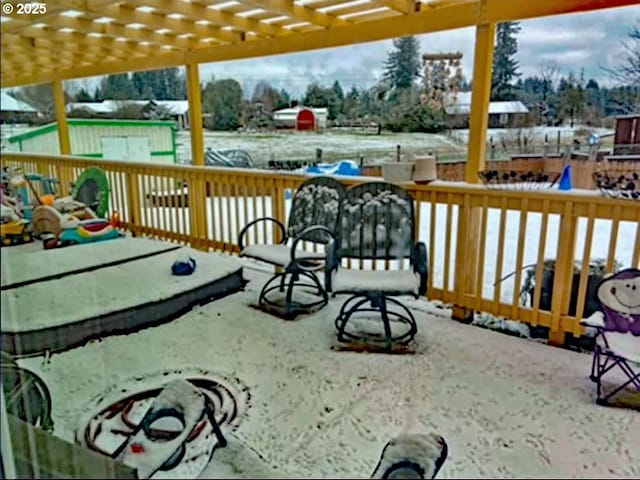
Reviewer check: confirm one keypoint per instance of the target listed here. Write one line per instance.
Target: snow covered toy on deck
(61, 230)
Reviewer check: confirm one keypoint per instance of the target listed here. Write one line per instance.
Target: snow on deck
(507, 407)
(88, 295)
(18, 266)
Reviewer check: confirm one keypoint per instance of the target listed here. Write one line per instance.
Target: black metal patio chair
(313, 218)
(376, 222)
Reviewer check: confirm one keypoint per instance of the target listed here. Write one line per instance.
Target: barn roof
(10, 104)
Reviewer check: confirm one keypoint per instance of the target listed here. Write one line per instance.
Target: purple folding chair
(618, 331)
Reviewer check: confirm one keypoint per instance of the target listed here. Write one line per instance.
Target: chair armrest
(419, 260)
(300, 238)
(596, 320)
(263, 219)
(331, 264)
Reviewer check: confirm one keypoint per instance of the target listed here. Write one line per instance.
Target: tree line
(395, 101)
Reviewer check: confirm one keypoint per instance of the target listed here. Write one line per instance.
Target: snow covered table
(67, 311)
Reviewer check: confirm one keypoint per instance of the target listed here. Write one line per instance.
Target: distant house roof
(461, 105)
(177, 107)
(89, 122)
(10, 104)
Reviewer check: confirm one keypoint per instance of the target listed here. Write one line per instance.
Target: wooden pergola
(69, 39)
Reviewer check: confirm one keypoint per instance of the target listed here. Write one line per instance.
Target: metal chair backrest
(376, 222)
(316, 202)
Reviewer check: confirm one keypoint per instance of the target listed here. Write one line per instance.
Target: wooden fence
(475, 236)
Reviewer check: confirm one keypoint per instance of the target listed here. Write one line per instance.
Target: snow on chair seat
(617, 331)
(398, 282)
(313, 218)
(280, 254)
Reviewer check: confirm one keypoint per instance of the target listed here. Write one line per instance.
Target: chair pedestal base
(377, 303)
(277, 295)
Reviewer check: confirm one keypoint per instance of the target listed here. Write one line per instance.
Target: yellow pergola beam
(480, 97)
(216, 17)
(297, 12)
(59, 105)
(431, 18)
(195, 113)
(402, 6)
(81, 26)
(156, 21)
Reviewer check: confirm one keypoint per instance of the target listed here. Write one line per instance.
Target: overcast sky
(590, 40)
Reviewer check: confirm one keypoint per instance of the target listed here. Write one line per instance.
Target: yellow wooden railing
(512, 228)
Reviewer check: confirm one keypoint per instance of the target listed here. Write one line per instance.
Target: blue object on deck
(183, 267)
(347, 168)
(565, 179)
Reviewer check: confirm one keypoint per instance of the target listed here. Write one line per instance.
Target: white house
(501, 114)
(179, 109)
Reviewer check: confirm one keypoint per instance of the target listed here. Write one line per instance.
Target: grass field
(335, 146)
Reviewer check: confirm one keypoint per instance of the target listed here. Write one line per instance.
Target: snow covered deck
(62, 298)
(508, 407)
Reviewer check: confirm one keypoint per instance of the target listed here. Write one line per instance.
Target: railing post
(195, 113)
(563, 273)
(278, 207)
(468, 258)
(197, 213)
(467, 245)
(133, 199)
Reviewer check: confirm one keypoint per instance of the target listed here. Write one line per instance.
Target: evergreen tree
(83, 95)
(338, 99)
(505, 66)
(402, 66)
(117, 87)
(285, 99)
(223, 100)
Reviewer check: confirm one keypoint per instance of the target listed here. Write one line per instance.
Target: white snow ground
(507, 407)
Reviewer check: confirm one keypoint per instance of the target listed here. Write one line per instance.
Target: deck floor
(508, 407)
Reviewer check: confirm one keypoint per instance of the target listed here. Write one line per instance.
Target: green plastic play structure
(92, 189)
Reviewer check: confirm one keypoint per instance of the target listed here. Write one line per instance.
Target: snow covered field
(507, 407)
(335, 145)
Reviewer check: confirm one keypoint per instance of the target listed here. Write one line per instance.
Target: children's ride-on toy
(14, 230)
(62, 230)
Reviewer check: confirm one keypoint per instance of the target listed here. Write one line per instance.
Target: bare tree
(628, 72)
(550, 71)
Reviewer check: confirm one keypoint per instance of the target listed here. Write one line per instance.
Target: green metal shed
(133, 140)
